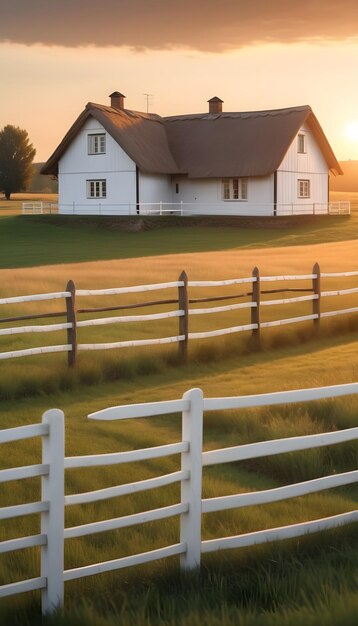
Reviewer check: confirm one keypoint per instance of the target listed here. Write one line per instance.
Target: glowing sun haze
(56, 56)
(352, 130)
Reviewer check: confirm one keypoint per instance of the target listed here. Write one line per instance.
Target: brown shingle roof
(240, 144)
(141, 135)
(204, 145)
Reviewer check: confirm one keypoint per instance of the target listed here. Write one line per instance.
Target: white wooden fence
(39, 208)
(185, 209)
(255, 304)
(191, 506)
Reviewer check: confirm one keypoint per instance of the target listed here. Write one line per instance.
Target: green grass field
(311, 581)
(27, 241)
(273, 580)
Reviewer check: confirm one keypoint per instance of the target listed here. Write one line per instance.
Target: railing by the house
(245, 209)
(31, 208)
(256, 295)
(190, 545)
(331, 208)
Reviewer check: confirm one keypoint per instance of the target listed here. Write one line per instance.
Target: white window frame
(96, 143)
(301, 143)
(96, 188)
(234, 189)
(303, 188)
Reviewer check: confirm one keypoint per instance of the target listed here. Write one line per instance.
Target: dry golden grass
(301, 366)
(334, 196)
(28, 196)
(337, 256)
(14, 205)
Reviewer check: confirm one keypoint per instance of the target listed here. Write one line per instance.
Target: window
(234, 188)
(96, 189)
(301, 144)
(176, 187)
(226, 189)
(97, 144)
(304, 190)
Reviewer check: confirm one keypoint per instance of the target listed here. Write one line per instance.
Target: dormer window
(301, 144)
(97, 144)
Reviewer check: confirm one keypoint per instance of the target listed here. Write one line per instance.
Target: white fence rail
(39, 208)
(183, 209)
(191, 506)
(258, 287)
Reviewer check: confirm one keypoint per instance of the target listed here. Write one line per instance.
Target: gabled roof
(141, 135)
(203, 145)
(240, 144)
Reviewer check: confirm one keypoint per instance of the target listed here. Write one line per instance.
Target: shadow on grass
(156, 368)
(311, 581)
(28, 241)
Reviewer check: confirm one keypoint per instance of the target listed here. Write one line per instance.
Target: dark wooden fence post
(316, 286)
(255, 311)
(71, 319)
(183, 303)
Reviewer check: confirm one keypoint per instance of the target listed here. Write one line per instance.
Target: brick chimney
(117, 100)
(215, 105)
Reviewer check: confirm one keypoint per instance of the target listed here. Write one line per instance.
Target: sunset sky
(56, 55)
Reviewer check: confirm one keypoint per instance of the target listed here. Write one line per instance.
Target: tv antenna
(148, 95)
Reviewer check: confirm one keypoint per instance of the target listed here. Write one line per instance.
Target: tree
(16, 156)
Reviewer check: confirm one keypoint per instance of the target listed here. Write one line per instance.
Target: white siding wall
(153, 189)
(309, 166)
(77, 166)
(199, 196)
(204, 197)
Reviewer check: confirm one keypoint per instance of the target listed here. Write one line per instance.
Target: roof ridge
(236, 114)
(191, 147)
(152, 117)
(155, 117)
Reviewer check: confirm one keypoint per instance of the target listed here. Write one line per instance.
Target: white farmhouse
(114, 161)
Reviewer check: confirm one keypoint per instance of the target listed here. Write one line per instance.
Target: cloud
(207, 25)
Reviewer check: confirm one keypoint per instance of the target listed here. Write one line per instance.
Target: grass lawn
(28, 376)
(27, 241)
(308, 582)
(294, 582)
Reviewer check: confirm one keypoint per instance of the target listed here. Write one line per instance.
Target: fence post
(255, 298)
(71, 319)
(316, 286)
(52, 521)
(190, 522)
(183, 304)
(181, 208)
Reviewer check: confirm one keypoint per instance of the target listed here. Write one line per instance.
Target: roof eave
(51, 165)
(324, 145)
(107, 125)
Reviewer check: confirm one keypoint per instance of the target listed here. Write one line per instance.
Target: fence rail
(255, 302)
(191, 506)
(31, 208)
(183, 209)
